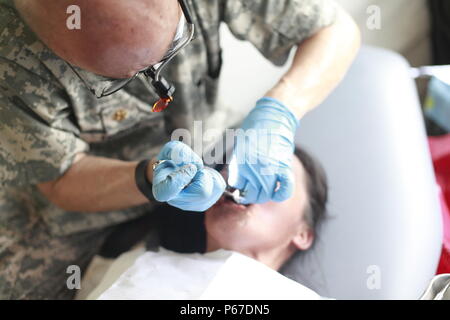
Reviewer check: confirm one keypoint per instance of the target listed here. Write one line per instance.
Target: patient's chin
(228, 219)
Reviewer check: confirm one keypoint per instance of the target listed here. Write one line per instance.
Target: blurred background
(419, 30)
(406, 26)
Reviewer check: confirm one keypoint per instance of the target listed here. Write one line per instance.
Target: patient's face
(259, 227)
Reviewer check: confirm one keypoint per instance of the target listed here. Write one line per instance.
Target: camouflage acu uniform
(47, 116)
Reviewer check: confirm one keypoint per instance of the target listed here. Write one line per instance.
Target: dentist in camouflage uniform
(73, 166)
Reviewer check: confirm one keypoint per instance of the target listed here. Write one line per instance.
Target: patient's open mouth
(228, 201)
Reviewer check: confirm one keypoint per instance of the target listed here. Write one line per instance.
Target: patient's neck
(274, 258)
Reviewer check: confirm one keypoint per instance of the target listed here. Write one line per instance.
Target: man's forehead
(102, 8)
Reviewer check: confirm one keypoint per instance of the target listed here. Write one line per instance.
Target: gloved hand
(183, 181)
(261, 164)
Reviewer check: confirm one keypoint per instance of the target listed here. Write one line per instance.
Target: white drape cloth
(217, 275)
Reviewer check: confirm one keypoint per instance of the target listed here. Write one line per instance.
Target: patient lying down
(245, 246)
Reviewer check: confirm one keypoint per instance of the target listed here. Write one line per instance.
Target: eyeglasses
(103, 86)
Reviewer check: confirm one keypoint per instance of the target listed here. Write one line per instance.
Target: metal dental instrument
(233, 194)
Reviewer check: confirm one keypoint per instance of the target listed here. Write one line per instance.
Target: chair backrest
(384, 233)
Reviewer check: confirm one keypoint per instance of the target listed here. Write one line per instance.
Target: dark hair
(316, 188)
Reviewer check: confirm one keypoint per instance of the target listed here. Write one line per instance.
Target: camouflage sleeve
(274, 27)
(37, 139)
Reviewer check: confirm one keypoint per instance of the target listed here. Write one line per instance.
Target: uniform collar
(8, 3)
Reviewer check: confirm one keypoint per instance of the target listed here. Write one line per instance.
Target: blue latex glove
(183, 181)
(261, 165)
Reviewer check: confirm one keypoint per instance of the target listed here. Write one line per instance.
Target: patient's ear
(304, 238)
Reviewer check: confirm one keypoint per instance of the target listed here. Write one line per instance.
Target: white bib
(218, 275)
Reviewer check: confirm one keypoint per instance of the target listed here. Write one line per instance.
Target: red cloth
(440, 152)
(444, 263)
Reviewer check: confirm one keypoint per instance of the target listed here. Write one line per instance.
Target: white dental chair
(383, 236)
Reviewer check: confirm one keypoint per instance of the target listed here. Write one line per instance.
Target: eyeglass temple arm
(186, 11)
(163, 88)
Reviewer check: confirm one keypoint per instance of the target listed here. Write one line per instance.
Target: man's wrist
(144, 178)
(150, 169)
(288, 95)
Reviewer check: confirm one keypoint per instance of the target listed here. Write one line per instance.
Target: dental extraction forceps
(234, 194)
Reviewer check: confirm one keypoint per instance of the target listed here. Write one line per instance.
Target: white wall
(405, 26)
